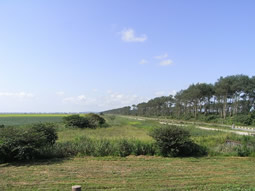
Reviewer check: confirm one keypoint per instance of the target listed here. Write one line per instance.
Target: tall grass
(85, 146)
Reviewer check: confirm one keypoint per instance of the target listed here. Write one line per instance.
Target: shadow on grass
(35, 162)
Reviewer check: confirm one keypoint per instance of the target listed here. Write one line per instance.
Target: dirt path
(211, 129)
(228, 131)
(199, 127)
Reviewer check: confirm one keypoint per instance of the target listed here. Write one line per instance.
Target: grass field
(221, 172)
(118, 128)
(25, 119)
(132, 173)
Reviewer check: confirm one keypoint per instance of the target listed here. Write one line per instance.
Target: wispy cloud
(165, 93)
(115, 100)
(166, 62)
(60, 93)
(103, 102)
(81, 99)
(143, 61)
(163, 60)
(16, 94)
(128, 35)
(163, 56)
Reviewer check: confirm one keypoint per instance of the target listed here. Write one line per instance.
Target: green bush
(20, 144)
(175, 141)
(243, 119)
(90, 120)
(76, 121)
(95, 120)
(187, 116)
(47, 130)
(243, 151)
(210, 118)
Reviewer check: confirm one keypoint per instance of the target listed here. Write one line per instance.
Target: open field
(132, 173)
(120, 127)
(14, 121)
(220, 170)
(24, 119)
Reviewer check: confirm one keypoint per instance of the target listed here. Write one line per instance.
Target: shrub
(47, 130)
(175, 141)
(90, 120)
(19, 144)
(210, 118)
(76, 121)
(243, 151)
(187, 116)
(95, 120)
(243, 119)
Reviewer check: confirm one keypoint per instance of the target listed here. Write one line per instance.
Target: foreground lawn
(132, 173)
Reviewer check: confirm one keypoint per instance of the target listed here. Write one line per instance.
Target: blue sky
(75, 56)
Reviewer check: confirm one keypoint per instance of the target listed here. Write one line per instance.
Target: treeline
(229, 97)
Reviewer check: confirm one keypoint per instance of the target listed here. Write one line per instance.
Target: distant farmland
(24, 119)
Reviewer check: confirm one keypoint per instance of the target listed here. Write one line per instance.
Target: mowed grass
(132, 173)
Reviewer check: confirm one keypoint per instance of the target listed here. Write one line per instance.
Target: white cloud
(173, 92)
(75, 99)
(109, 91)
(166, 62)
(60, 93)
(16, 94)
(143, 61)
(109, 100)
(160, 93)
(79, 100)
(128, 35)
(165, 93)
(115, 100)
(163, 56)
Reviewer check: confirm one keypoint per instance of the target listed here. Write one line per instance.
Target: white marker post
(76, 188)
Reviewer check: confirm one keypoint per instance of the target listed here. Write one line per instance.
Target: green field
(132, 173)
(24, 119)
(220, 170)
